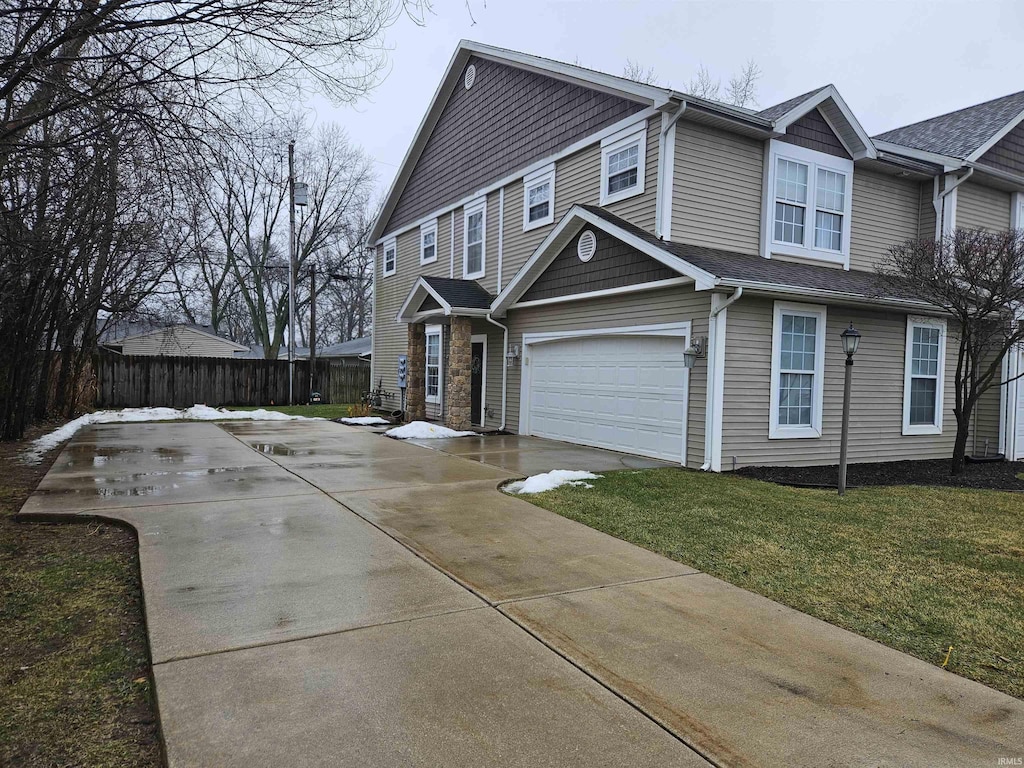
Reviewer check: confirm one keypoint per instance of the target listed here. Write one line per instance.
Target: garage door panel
(624, 393)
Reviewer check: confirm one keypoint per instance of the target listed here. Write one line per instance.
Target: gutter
(938, 197)
(504, 369)
(712, 405)
(664, 177)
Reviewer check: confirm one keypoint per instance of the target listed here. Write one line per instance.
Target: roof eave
(947, 162)
(783, 289)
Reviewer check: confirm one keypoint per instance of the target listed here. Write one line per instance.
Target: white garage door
(625, 393)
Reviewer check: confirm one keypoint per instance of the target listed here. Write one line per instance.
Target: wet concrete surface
(467, 689)
(504, 547)
(752, 682)
(423, 617)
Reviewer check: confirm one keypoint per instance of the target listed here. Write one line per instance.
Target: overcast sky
(893, 62)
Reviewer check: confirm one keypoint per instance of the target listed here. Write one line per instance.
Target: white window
(623, 159)
(433, 364)
(798, 367)
(923, 375)
(390, 257)
(474, 235)
(539, 198)
(808, 204)
(428, 242)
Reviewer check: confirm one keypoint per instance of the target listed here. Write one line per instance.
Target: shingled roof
(731, 267)
(958, 134)
(464, 294)
(778, 110)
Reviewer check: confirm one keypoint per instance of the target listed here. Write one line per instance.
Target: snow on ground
(196, 413)
(548, 481)
(421, 430)
(364, 421)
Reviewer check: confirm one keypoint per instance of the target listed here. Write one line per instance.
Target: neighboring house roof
(151, 337)
(965, 133)
(256, 352)
(114, 332)
(351, 348)
(708, 267)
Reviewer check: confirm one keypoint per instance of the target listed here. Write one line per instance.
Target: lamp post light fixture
(851, 341)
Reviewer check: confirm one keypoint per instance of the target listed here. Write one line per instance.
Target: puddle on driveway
(280, 449)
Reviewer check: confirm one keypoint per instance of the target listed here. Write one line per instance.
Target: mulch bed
(1000, 476)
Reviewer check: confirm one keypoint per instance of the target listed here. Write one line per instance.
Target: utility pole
(312, 329)
(291, 272)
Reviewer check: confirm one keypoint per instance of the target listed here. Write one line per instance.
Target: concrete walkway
(445, 623)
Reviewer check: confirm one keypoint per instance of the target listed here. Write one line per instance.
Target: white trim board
(636, 288)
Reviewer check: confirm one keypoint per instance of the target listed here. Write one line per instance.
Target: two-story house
(559, 243)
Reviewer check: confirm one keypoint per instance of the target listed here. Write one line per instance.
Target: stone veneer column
(416, 378)
(460, 369)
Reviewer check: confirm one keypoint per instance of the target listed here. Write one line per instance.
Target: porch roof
(431, 296)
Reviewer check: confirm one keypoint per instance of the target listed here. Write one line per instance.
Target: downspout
(662, 170)
(504, 368)
(713, 375)
(938, 197)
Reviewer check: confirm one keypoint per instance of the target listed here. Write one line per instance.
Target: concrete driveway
(319, 595)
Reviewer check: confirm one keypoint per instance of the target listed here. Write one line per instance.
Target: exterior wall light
(513, 354)
(698, 349)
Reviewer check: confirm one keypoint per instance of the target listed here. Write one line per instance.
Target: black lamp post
(851, 340)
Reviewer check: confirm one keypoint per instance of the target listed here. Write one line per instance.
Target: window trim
(434, 330)
(779, 150)
(426, 229)
(545, 175)
(389, 245)
(778, 431)
(633, 134)
(477, 206)
(914, 321)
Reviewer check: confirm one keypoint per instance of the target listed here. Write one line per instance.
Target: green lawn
(918, 569)
(74, 666)
(321, 411)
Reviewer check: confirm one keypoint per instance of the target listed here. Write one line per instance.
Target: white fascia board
(420, 290)
(948, 163)
(798, 292)
(545, 253)
(815, 100)
(996, 138)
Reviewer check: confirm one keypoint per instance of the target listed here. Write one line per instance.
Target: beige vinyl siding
(663, 305)
(577, 182)
(884, 213)
(984, 207)
(926, 228)
(178, 342)
(716, 197)
(983, 438)
(876, 415)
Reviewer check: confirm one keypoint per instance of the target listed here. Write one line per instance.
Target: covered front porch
(452, 351)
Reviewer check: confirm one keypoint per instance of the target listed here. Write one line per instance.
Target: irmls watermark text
(1010, 761)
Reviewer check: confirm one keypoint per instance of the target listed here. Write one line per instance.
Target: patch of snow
(548, 481)
(422, 430)
(364, 421)
(126, 415)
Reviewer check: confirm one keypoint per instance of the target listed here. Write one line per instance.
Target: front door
(476, 382)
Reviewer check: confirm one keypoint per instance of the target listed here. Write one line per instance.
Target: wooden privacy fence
(134, 381)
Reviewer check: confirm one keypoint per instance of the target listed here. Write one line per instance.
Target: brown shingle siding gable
(1008, 153)
(812, 132)
(508, 119)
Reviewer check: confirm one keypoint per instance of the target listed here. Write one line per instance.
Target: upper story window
(474, 237)
(798, 368)
(808, 204)
(923, 375)
(428, 242)
(623, 159)
(539, 198)
(390, 260)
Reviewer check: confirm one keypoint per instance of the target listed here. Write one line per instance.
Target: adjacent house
(556, 238)
(348, 351)
(175, 339)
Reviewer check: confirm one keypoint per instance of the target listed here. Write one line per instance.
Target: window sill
(623, 194)
(921, 429)
(389, 274)
(810, 254)
(473, 275)
(428, 261)
(793, 433)
(538, 224)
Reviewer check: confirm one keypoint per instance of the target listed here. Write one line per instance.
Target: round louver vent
(586, 246)
(470, 76)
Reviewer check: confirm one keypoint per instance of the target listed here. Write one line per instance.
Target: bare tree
(703, 85)
(976, 278)
(742, 90)
(634, 70)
